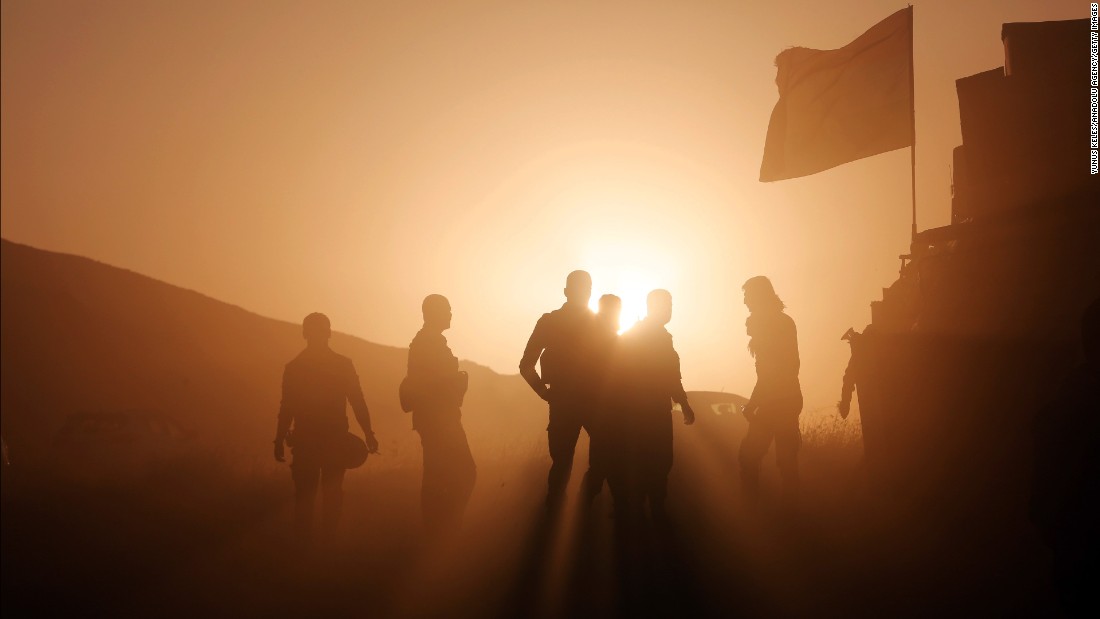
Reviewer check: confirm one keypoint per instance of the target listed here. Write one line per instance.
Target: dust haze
(183, 184)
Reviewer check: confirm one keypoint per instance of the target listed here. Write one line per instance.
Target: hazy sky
(353, 157)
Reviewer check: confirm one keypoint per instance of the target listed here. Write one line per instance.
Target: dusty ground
(213, 537)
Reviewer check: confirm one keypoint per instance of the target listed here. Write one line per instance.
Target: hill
(79, 335)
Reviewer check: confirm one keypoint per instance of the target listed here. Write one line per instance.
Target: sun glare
(628, 270)
(632, 288)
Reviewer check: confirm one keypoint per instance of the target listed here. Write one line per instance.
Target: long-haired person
(773, 409)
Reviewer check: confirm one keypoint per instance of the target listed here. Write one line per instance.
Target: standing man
(776, 402)
(317, 386)
(653, 383)
(560, 342)
(438, 387)
(605, 336)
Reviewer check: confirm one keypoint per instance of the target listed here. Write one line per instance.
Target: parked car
(719, 404)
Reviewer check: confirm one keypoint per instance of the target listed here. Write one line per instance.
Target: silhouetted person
(859, 382)
(776, 401)
(1066, 497)
(559, 343)
(601, 348)
(852, 374)
(438, 387)
(649, 383)
(317, 386)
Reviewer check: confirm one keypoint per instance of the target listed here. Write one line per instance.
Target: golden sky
(353, 157)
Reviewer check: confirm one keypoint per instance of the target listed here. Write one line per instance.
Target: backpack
(406, 394)
(410, 397)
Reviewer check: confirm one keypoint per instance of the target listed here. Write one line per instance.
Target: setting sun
(629, 271)
(301, 308)
(629, 286)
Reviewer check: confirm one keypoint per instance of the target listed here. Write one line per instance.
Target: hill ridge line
(89, 261)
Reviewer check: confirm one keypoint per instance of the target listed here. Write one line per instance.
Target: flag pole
(912, 128)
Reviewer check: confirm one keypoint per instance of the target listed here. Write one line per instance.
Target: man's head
(611, 309)
(659, 306)
(316, 329)
(437, 312)
(578, 287)
(760, 296)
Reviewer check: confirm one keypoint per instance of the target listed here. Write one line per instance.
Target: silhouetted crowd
(620, 389)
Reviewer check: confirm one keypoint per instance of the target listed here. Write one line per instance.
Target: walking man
(776, 401)
(318, 384)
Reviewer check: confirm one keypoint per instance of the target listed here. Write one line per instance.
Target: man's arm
(679, 396)
(535, 345)
(768, 353)
(286, 416)
(359, 407)
(846, 389)
(749, 409)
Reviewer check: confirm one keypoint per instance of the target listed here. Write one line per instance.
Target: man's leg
(753, 449)
(306, 476)
(562, 433)
(332, 496)
(660, 463)
(432, 502)
(657, 490)
(788, 440)
(459, 474)
(449, 471)
(596, 474)
(464, 468)
(614, 454)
